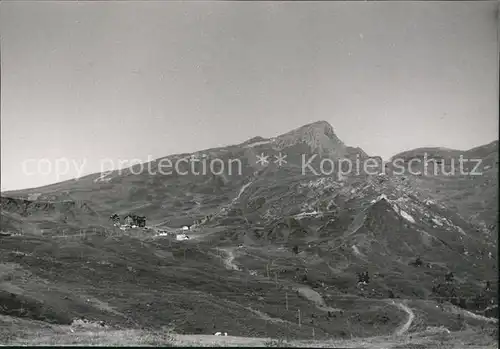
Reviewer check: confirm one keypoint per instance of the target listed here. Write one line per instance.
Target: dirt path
(226, 207)
(228, 258)
(305, 291)
(260, 314)
(411, 315)
(382, 342)
(241, 191)
(315, 297)
(472, 315)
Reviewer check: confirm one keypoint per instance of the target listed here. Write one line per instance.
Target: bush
(257, 203)
(449, 277)
(164, 337)
(292, 223)
(84, 323)
(418, 262)
(363, 277)
(322, 205)
(277, 343)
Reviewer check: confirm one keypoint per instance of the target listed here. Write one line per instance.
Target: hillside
(472, 194)
(275, 251)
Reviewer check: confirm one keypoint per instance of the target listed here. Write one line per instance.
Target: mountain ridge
(121, 190)
(307, 133)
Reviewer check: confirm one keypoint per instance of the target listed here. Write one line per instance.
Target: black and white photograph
(249, 173)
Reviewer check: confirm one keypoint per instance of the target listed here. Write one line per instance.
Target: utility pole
(286, 300)
(349, 326)
(287, 332)
(314, 336)
(298, 310)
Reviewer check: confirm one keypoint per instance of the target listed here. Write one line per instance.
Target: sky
(89, 81)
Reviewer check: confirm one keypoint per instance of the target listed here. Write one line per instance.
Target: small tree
(363, 277)
(462, 303)
(322, 205)
(449, 277)
(292, 223)
(480, 301)
(295, 249)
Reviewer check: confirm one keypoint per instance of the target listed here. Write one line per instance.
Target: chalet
(140, 221)
(134, 221)
(163, 233)
(182, 237)
(129, 220)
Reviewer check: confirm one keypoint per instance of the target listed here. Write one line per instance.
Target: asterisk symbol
(280, 159)
(262, 159)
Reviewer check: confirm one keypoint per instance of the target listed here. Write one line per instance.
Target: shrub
(277, 343)
(291, 222)
(84, 323)
(164, 337)
(449, 277)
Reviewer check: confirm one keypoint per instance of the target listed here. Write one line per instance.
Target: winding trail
(411, 316)
(317, 299)
(306, 291)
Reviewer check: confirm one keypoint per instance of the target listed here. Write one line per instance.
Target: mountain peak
(319, 122)
(319, 136)
(320, 125)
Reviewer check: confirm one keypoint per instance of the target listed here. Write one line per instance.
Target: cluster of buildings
(180, 235)
(129, 221)
(135, 221)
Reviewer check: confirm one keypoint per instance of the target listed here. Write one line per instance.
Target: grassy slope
(135, 282)
(128, 282)
(132, 283)
(24, 332)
